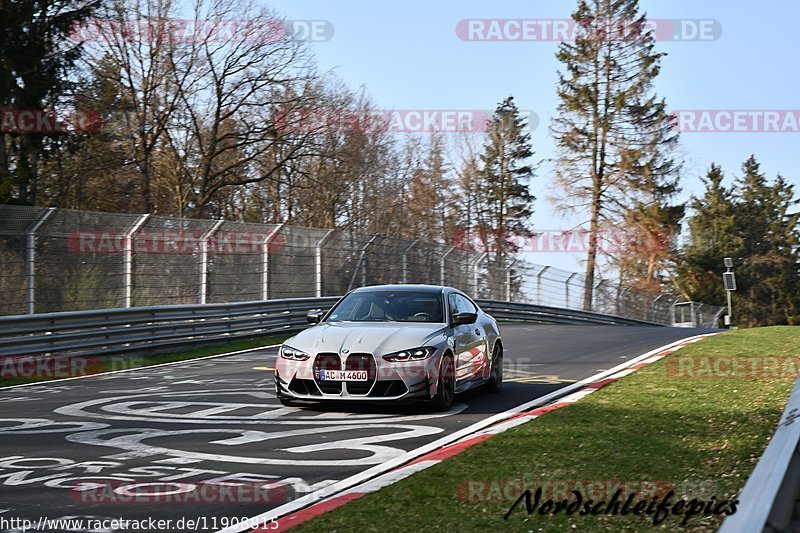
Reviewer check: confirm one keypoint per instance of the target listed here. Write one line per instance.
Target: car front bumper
(387, 381)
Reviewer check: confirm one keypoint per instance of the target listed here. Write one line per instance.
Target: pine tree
(36, 58)
(712, 237)
(613, 135)
(755, 224)
(505, 175)
(768, 276)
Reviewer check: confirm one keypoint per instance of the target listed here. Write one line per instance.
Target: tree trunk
(591, 256)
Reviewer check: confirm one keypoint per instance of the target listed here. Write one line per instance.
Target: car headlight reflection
(287, 352)
(415, 354)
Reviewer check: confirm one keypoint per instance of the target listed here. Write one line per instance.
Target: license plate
(343, 375)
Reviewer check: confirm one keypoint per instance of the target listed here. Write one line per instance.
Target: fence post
(318, 262)
(265, 260)
(30, 259)
(624, 301)
(508, 280)
(441, 264)
(714, 321)
(539, 284)
(127, 273)
(476, 272)
(365, 259)
(653, 307)
(405, 260)
(596, 290)
(362, 257)
(566, 290)
(204, 259)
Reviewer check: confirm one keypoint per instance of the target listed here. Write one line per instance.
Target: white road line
(185, 361)
(375, 471)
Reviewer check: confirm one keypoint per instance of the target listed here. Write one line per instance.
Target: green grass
(701, 436)
(112, 363)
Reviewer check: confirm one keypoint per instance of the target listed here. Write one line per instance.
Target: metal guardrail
(541, 313)
(114, 331)
(769, 498)
(124, 330)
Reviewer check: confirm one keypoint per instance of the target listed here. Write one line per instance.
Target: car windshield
(389, 306)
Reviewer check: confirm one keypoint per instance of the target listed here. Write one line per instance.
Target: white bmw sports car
(393, 342)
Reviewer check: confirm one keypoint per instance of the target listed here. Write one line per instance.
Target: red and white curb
(303, 509)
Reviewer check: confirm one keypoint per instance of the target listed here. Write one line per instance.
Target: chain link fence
(66, 260)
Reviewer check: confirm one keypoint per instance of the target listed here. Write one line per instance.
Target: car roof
(405, 287)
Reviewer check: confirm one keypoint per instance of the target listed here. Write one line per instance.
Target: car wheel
(446, 386)
(495, 382)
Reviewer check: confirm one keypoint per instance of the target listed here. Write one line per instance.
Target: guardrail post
(508, 280)
(476, 273)
(539, 284)
(204, 259)
(265, 260)
(318, 263)
(30, 258)
(405, 259)
(566, 289)
(127, 273)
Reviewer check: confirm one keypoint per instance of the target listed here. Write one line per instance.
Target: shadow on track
(478, 401)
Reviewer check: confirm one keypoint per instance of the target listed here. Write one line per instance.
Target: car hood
(363, 337)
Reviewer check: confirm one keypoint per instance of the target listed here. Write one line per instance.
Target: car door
(468, 342)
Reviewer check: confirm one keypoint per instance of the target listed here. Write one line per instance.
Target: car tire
(495, 382)
(446, 386)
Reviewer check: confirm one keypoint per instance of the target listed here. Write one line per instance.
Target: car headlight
(415, 354)
(287, 352)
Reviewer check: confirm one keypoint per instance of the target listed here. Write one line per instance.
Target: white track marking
(375, 471)
(103, 374)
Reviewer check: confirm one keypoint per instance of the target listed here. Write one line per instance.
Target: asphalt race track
(83, 448)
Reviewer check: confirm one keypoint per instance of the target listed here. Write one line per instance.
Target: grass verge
(110, 364)
(664, 426)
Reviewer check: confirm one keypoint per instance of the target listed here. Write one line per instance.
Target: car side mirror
(315, 316)
(464, 318)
